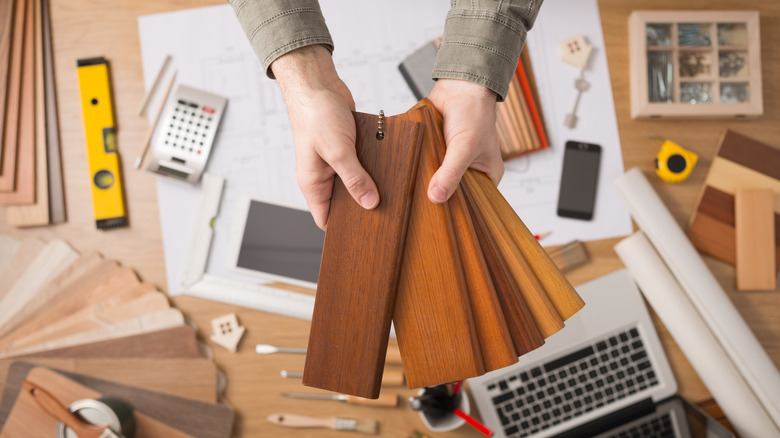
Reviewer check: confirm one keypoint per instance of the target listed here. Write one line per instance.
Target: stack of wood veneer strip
(465, 283)
(30, 170)
(88, 324)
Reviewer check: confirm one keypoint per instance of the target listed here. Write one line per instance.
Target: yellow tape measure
(673, 163)
(99, 132)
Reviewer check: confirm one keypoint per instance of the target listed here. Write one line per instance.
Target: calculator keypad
(188, 128)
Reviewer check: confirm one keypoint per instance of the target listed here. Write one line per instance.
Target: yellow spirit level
(99, 132)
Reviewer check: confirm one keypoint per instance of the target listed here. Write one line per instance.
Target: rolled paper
(703, 290)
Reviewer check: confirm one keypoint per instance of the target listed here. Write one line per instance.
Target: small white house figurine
(227, 331)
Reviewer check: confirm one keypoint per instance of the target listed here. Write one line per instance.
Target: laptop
(604, 373)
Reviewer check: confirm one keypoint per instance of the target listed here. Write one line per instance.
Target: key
(582, 85)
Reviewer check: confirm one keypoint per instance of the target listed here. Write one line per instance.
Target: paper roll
(694, 337)
(702, 289)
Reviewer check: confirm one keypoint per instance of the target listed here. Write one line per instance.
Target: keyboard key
(623, 337)
(567, 408)
(572, 382)
(613, 366)
(535, 421)
(547, 404)
(645, 365)
(524, 425)
(503, 398)
(621, 375)
(610, 379)
(609, 391)
(650, 374)
(521, 391)
(630, 383)
(531, 386)
(540, 395)
(561, 387)
(624, 361)
(556, 412)
(636, 357)
(640, 378)
(551, 391)
(502, 384)
(601, 346)
(613, 341)
(625, 349)
(619, 387)
(537, 409)
(510, 430)
(509, 407)
(519, 403)
(572, 370)
(558, 400)
(604, 357)
(636, 345)
(568, 396)
(536, 372)
(615, 353)
(598, 395)
(588, 400)
(593, 374)
(491, 387)
(515, 417)
(529, 399)
(634, 332)
(631, 371)
(541, 382)
(594, 362)
(512, 378)
(589, 387)
(584, 366)
(582, 378)
(526, 412)
(562, 374)
(524, 376)
(599, 383)
(578, 392)
(504, 420)
(552, 378)
(546, 416)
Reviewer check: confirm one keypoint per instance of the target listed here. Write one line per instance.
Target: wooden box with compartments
(695, 64)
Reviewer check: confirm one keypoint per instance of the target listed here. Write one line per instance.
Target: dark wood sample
(433, 318)
(12, 100)
(6, 32)
(362, 256)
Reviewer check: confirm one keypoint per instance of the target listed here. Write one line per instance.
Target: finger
(357, 181)
(447, 177)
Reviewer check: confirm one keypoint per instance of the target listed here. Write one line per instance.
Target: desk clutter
(30, 169)
(468, 288)
(79, 327)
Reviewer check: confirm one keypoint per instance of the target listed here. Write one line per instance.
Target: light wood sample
(755, 225)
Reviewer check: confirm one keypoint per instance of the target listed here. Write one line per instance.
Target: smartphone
(578, 180)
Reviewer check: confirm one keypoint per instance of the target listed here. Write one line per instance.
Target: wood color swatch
(29, 420)
(12, 99)
(53, 156)
(433, 319)
(6, 32)
(37, 213)
(755, 229)
(356, 289)
(475, 291)
(740, 163)
(27, 252)
(190, 378)
(8, 246)
(22, 190)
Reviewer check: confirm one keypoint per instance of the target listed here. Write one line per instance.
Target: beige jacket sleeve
(482, 38)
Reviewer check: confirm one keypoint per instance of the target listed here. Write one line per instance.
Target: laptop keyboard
(538, 398)
(658, 427)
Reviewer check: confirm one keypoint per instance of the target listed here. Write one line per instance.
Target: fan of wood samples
(465, 284)
(82, 326)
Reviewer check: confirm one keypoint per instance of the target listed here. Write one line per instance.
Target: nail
(369, 200)
(437, 194)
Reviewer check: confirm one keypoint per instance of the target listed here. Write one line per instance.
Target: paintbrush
(362, 425)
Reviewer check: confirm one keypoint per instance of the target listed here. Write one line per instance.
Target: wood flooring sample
(433, 319)
(361, 260)
(755, 228)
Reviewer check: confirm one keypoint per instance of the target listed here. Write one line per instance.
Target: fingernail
(369, 200)
(438, 194)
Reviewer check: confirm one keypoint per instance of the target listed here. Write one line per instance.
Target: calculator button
(208, 109)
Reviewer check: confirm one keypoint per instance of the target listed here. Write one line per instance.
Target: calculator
(186, 134)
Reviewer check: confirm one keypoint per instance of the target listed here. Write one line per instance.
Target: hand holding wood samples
(467, 286)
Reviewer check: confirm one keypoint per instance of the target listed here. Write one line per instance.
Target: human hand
(469, 113)
(320, 108)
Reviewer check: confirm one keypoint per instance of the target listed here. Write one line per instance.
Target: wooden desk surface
(83, 28)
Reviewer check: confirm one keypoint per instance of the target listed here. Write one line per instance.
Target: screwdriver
(384, 400)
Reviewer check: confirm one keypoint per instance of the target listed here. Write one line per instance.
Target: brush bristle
(367, 425)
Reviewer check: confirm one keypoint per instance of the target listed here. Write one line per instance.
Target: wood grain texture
(190, 378)
(521, 324)
(55, 257)
(6, 32)
(433, 319)
(359, 272)
(562, 294)
(12, 99)
(495, 340)
(172, 343)
(27, 252)
(83, 264)
(750, 153)
(53, 154)
(23, 188)
(8, 246)
(755, 232)
(28, 420)
(545, 315)
(37, 213)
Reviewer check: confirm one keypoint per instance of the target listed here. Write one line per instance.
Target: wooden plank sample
(741, 162)
(27, 419)
(6, 32)
(24, 255)
(433, 320)
(8, 246)
(173, 343)
(36, 214)
(204, 420)
(55, 257)
(356, 290)
(755, 226)
(562, 294)
(54, 162)
(189, 378)
(23, 188)
(12, 99)
(495, 341)
(80, 267)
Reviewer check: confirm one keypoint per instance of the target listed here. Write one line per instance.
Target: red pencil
(473, 422)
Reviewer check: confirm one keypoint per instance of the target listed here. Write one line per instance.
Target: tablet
(276, 241)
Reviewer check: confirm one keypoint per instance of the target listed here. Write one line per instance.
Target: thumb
(357, 181)
(445, 181)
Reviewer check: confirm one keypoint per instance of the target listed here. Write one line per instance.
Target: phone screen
(578, 180)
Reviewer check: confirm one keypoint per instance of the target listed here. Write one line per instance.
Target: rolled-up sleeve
(275, 27)
(483, 40)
